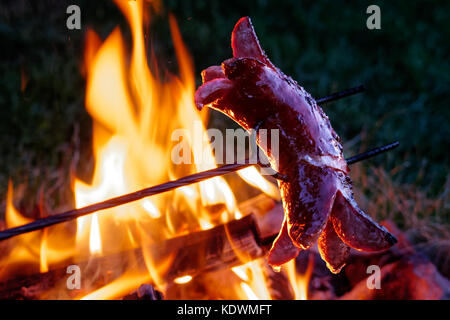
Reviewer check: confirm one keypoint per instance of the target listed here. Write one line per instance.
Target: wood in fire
(221, 247)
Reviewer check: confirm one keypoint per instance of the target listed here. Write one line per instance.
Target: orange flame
(36, 250)
(134, 115)
(118, 288)
(253, 283)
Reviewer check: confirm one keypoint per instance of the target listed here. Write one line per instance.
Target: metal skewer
(373, 152)
(138, 195)
(134, 196)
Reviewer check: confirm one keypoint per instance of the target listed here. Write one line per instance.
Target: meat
(332, 249)
(287, 249)
(316, 192)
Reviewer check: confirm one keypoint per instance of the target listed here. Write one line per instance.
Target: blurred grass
(325, 46)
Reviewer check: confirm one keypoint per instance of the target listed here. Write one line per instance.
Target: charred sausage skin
(316, 192)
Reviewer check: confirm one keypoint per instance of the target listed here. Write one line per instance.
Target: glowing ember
(253, 281)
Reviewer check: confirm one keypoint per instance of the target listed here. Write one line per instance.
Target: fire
(254, 178)
(43, 253)
(95, 244)
(134, 113)
(118, 288)
(27, 251)
(253, 282)
(300, 282)
(35, 251)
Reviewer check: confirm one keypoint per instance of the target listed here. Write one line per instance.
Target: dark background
(324, 45)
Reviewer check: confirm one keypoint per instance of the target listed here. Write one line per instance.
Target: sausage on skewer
(316, 190)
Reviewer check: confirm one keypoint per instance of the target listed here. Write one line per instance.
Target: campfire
(192, 241)
(134, 113)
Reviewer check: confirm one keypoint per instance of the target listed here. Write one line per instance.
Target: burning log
(224, 246)
(221, 247)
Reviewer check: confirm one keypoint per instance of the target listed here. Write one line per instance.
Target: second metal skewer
(138, 195)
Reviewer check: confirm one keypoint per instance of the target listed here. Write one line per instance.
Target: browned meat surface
(317, 196)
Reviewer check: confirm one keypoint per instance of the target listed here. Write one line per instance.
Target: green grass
(325, 46)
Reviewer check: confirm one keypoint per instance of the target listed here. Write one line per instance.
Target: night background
(45, 131)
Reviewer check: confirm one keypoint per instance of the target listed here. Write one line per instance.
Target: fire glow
(134, 113)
